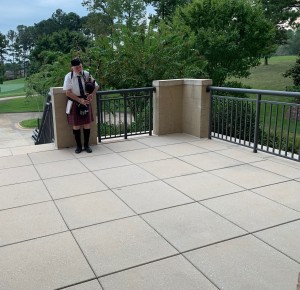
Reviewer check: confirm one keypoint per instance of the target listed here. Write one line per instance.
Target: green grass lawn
(270, 77)
(29, 124)
(16, 88)
(19, 105)
(12, 88)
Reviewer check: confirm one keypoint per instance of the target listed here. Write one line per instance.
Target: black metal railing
(45, 132)
(262, 123)
(123, 113)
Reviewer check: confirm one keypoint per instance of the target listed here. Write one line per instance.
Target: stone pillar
(63, 132)
(181, 106)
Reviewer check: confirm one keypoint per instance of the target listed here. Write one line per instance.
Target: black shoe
(88, 149)
(78, 150)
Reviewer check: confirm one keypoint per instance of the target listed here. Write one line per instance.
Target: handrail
(243, 120)
(254, 91)
(110, 92)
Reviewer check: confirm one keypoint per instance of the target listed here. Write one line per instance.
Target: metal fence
(45, 132)
(123, 113)
(269, 122)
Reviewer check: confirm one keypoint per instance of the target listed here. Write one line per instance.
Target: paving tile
(28, 222)
(285, 238)
(169, 168)
(144, 155)
(210, 161)
(246, 263)
(91, 285)
(251, 211)
(191, 226)
(154, 141)
(123, 176)
(5, 152)
(14, 143)
(14, 161)
(212, 145)
(98, 149)
(151, 196)
(284, 161)
(203, 185)
(33, 148)
(18, 175)
(183, 137)
(104, 161)
(60, 168)
(46, 263)
(71, 185)
(249, 176)
(88, 209)
(125, 145)
(278, 168)
(121, 244)
(21, 194)
(242, 154)
(181, 149)
(286, 193)
(50, 156)
(174, 273)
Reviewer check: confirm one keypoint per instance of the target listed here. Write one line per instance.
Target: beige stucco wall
(181, 106)
(63, 133)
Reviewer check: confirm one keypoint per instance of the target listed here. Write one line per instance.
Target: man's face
(77, 68)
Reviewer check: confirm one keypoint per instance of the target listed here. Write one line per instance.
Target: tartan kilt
(76, 120)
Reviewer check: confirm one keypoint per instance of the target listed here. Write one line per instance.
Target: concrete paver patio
(171, 212)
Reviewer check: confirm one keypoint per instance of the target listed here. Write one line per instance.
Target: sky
(29, 12)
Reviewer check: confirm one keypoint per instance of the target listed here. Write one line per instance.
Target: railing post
(210, 112)
(151, 113)
(257, 118)
(100, 115)
(125, 115)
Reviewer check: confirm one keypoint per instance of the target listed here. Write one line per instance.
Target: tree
(229, 34)
(137, 59)
(294, 74)
(165, 9)
(293, 42)
(63, 41)
(118, 12)
(58, 21)
(25, 44)
(3, 44)
(282, 13)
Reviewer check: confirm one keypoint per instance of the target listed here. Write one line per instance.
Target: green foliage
(49, 47)
(281, 13)
(136, 59)
(291, 47)
(3, 44)
(230, 35)
(294, 72)
(234, 115)
(49, 75)
(117, 12)
(165, 9)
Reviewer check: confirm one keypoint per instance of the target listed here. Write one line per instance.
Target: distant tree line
(123, 47)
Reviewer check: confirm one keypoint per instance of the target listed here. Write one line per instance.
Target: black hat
(75, 62)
